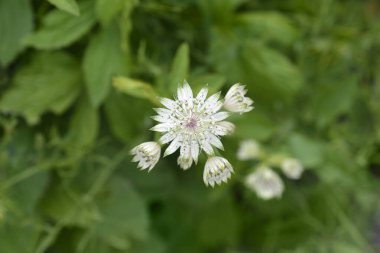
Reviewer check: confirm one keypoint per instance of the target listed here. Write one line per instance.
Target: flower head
(249, 149)
(236, 101)
(217, 170)
(146, 154)
(292, 168)
(265, 182)
(191, 123)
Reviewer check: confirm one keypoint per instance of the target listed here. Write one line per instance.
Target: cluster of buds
(264, 180)
(194, 124)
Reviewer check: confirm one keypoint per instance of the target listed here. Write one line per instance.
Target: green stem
(96, 187)
(25, 174)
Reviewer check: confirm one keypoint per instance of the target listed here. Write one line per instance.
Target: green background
(78, 80)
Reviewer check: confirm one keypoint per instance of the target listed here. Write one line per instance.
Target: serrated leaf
(12, 232)
(103, 59)
(211, 231)
(60, 29)
(220, 12)
(213, 82)
(84, 126)
(268, 26)
(26, 194)
(16, 22)
(309, 151)
(153, 244)
(273, 74)
(50, 82)
(69, 6)
(333, 99)
(266, 72)
(179, 69)
(255, 125)
(116, 107)
(136, 88)
(106, 10)
(60, 201)
(122, 214)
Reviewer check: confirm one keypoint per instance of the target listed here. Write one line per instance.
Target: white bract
(265, 182)
(236, 101)
(217, 170)
(194, 124)
(146, 154)
(292, 168)
(248, 149)
(184, 162)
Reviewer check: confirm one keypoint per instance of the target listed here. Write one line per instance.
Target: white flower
(191, 124)
(217, 170)
(146, 154)
(249, 149)
(265, 182)
(235, 100)
(292, 168)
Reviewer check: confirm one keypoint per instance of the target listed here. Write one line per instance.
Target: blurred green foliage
(78, 80)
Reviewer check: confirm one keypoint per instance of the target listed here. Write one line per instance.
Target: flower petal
(168, 103)
(219, 116)
(194, 150)
(202, 95)
(162, 127)
(223, 128)
(215, 141)
(167, 138)
(174, 145)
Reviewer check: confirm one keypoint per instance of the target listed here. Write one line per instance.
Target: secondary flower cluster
(264, 180)
(194, 124)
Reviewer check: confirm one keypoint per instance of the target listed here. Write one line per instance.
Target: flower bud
(217, 170)
(292, 168)
(248, 150)
(235, 100)
(146, 154)
(265, 182)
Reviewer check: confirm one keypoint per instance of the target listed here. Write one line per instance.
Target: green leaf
(179, 69)
(268, 26)
(16, 237)
(267, 72)
(26, 194)
(333, 99)
(84, 126)
(122, 214)
(220, 12)
(117, 106)
(103, 59)
(136, 88)
(151, 245)
(270, 72)
(213, 82)
(69, 6)
(16, 21)
(60, 29)
(255, 125)
(212, 232)
(106, 10)
(309, 151)
(62, 204)
(51, 82)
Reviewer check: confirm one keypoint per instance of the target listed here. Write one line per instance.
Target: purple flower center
(192, 123)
